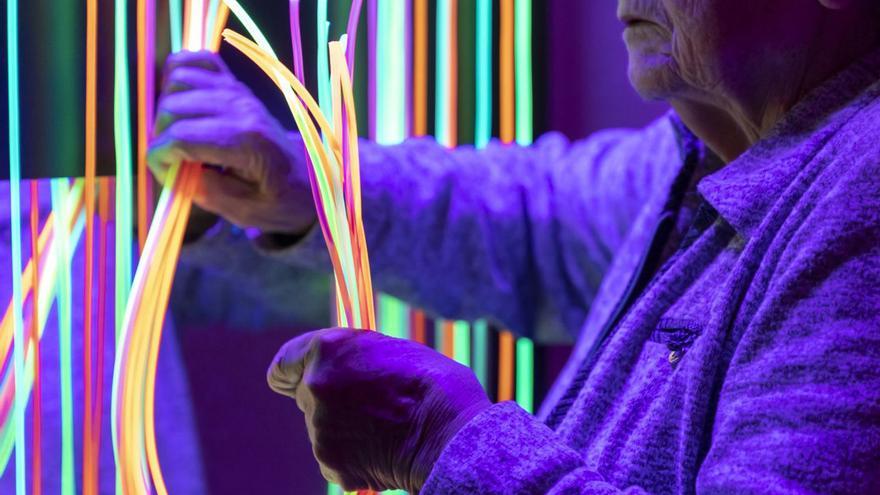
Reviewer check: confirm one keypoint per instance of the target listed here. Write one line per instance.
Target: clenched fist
(379, 410)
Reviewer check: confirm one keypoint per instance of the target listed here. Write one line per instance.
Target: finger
(202, 59)
(190, 105)
(188, 78)
(285, 372)
(205, 140)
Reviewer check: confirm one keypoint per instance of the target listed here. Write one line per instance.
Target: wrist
(438, 432)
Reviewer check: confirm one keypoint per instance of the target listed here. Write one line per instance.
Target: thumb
(286, 371)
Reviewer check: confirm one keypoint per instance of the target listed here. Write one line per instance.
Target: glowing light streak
(15, 212)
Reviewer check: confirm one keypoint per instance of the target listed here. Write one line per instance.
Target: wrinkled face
(678, 48)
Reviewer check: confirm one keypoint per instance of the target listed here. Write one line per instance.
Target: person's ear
(836, 4)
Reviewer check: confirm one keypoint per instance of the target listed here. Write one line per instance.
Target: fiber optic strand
(60, 190)
(506, 339)
(336, 183)
(34, 328)
(90, 443)
(525, 349)
(15, 211)
(340, 221)
(48, 275)
(134, 377)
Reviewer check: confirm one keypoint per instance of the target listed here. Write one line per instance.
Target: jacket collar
(744, 191)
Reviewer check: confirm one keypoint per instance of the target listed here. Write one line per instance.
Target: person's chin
(653, 77)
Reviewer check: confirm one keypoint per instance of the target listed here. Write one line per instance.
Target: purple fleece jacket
(748, 361)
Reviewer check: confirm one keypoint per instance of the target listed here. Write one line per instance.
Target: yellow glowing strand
(343, 229)
(328, 179)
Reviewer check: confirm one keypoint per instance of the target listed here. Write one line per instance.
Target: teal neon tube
(483, 118)
(15, 211)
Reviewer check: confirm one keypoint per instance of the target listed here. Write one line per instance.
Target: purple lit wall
(588, 87)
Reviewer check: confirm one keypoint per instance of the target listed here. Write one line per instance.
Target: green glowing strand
(461, 344)
(20, 404)
(443, 127)
(47, 296)
(525, 373)
(175, 20)
(523, 50)
(59, 189)
(323, 59)
(481, 352)
(390, 76)
(122, 135)
(483, 117)
(391, 124)
(211, 20)
(482, 135)
(525, 349)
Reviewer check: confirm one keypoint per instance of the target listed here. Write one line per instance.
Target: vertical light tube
(482, 135)
(525, 349)
(523, 49)
(89, 448)
(60, 189)
(15, 212)
(507, 118)
(391, 122)
(122, 136)
(323, 30)
(481, 352)
(175, 20)
(37, 413)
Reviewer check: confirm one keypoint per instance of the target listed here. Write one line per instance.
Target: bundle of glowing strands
(334, 171)
(134, 376)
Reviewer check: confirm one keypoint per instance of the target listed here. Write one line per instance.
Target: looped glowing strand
(336, 174)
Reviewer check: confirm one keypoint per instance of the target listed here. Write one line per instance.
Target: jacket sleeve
(520, 236)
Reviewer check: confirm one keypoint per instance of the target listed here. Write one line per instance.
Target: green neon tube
(525, 373)
(461, 346)
(482, 135)
(391, 124)
(122, 134)
(323, 29)
(481, 352)
(441, 114)
(175, 20)
(47, 281)
(59, 189)
(15, 211)
(523, 51)
(525, 349)
(390, 75)
(483, 117)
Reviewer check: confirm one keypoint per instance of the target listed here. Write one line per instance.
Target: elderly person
(720, 267)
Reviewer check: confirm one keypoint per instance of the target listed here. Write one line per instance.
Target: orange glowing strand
(420, 68)
(355, 216)
(219, 25)
(37, 428)
(174, 245)
(507, 341)
(89, 461)
(507, 91)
